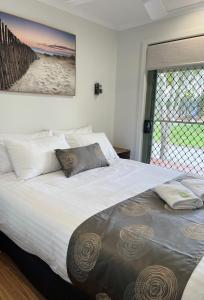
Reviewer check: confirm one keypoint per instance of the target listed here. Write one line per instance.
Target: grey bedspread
(139, 249)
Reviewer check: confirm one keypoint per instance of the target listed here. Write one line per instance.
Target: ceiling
(124, 14)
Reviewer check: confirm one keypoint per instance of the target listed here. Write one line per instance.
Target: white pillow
(81, 130)
(5, 163)
(35, 157)
(24, 136)
(78, 140)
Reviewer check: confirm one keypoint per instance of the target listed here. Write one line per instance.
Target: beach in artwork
(36, 58)
(48, 75)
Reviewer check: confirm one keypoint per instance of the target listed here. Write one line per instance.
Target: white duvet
(41, 214)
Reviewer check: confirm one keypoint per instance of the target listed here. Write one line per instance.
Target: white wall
(97, 49)
(96, 61)
(130, 86)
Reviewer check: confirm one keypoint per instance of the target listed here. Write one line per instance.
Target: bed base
(49, 284)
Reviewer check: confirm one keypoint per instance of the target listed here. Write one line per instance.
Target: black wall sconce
(98, 88)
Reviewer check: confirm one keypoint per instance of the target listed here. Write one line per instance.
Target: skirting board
(49, 284)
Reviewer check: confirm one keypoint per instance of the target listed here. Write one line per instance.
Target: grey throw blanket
(139, 249)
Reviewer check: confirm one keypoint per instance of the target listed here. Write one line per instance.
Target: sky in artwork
(39, 37)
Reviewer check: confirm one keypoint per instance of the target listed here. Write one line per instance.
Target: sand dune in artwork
(48, 75)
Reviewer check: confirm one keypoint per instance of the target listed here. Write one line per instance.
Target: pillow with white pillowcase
(5, 163)
(35, 157)
(81, 130)
(79, 140)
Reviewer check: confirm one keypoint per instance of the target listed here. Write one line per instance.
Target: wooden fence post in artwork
(15, 57)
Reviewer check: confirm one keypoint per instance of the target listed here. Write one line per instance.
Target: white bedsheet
(41, 214)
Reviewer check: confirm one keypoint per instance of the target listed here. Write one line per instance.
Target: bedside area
(122, 152)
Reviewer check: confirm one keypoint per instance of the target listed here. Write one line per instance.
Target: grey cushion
(80, 159)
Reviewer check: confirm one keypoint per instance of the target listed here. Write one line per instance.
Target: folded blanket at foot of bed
(177, 196)
(196, 186)
(137, 249)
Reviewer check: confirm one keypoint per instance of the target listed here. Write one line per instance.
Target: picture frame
(35, 58)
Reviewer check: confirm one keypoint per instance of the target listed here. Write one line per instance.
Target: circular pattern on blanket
(198, 259)
(129, 293)
(194, 232)
(156, 283)
(133, 241)
(86, 251)
(77, 273)
(135, 210)
(102, 296)
(74, 270)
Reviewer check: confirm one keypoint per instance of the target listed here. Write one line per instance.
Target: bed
(41, 214)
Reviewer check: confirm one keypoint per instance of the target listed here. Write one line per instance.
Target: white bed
(40, 214)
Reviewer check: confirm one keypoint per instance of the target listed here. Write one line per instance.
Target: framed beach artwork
(35, 58)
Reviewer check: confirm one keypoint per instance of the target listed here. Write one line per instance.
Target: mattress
(41, 214)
